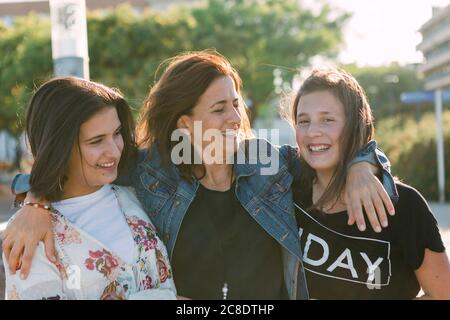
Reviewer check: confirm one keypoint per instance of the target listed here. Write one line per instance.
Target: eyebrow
(102, 135)
(305, 114)
(222, 102)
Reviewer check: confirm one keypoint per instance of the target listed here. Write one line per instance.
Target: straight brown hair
(357, 132)
(54, 116)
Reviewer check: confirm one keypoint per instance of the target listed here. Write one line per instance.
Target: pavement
(5, 214)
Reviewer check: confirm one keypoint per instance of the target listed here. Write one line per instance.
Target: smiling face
(218, 111)
(95, 157)
(319, 126)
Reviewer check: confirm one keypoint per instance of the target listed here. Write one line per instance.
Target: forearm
(375, 156)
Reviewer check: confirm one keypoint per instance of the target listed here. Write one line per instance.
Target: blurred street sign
(422, 96)
(437, 97)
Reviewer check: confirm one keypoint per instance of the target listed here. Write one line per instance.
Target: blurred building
(435, 47)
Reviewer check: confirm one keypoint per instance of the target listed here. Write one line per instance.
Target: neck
(321, 183)
(324, 178)
(218, 177)
(74, 190)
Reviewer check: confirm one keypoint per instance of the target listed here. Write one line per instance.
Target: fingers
(19, 263)
(14, 256)
(27, 259)
(381, 212)
(351, 218)
(371, 214)
(22, 234)
(49, 245)
(6, 247)
(357, 213)
(386, 199)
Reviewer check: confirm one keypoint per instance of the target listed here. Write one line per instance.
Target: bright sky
(382, 31)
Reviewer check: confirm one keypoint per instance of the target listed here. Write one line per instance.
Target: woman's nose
(314, 130)
(114, 149)
(235, 117)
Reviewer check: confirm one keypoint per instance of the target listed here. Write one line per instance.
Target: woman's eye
(302, 122)
(328, 120)
(118, 133)
(95, 142)
(218, 110)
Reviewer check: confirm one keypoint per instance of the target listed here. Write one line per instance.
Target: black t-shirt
(219, 242)
(343, 263)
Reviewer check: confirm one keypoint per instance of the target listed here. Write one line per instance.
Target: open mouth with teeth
(318, 147)
(106, 165)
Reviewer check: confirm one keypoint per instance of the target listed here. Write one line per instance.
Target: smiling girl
(80, 135)
(333, 120)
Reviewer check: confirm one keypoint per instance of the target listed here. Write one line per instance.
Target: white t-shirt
(99, 214)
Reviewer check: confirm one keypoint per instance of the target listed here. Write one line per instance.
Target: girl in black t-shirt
(333, 120)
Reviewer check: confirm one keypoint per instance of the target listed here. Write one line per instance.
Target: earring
(60, 184)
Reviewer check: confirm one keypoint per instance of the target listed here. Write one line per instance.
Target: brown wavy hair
(176, 93)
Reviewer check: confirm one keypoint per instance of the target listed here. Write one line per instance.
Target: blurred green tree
(385, 84)
(25, 59)
(263, 37)
(260, 37)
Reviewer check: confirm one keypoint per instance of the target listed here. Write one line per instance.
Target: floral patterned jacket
(89, 270)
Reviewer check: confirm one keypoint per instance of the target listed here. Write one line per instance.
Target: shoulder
(151, 163)
(288, 151)
(126, 192)
(412, 207)
(150, 156)
(259, 147)
(409, 196)
(127, 195)
(260, 156)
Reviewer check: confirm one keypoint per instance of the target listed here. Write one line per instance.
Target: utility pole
(69, 38)
(440, 145)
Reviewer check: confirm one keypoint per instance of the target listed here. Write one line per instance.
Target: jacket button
(281, 188)
(166, 237)
(153, 186)
(177, 203)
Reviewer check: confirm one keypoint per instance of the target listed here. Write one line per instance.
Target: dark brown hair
(176, 93)
(358, 129)
(54, 116)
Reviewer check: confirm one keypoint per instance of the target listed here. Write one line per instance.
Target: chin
(318, 166)
(108, 180)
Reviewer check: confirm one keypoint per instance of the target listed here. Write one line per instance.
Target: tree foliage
(126, 48)
(384, 85)
(411, 147)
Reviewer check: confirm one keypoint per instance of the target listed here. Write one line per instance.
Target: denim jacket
(268, 199)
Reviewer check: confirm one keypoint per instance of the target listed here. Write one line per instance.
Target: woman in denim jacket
(204, 181)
